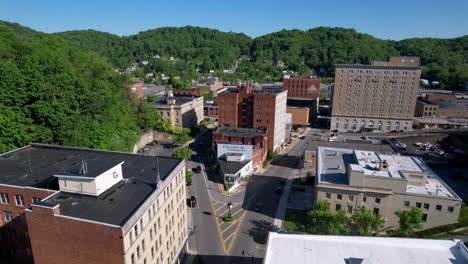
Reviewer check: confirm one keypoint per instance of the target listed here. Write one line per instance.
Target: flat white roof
(311, 249)
(333, 165)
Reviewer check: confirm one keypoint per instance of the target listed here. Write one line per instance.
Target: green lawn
(294, 220)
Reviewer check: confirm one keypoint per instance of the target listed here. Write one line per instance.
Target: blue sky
(395, 19)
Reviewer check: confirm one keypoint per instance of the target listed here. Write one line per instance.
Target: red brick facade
(188, 92)
(446, 97)
(59, 240)
(15, 245)
(302, 87)
(259, 143)
(249, 110)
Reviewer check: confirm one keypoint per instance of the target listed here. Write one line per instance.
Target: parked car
(440, 152)
(189, 183)
(198, 169)
(459, 151)
(193, 201)
(418, 144)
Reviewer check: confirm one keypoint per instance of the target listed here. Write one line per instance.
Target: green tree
(408, 222)
(365, 222)
(188, 176)
(183, 153)
(320, 220)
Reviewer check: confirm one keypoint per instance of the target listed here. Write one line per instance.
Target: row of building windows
(19, 199)
(427, 206)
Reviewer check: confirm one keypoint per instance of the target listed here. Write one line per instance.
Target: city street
(243, 240)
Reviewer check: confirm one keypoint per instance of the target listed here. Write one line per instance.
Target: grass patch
(295, 220)
(229, 218)
(462, 222)
(228, 186)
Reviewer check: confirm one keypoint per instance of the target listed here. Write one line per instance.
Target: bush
(188, 176)
(183, 153)
(229, 218)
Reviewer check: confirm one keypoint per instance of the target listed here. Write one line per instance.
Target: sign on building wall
(247, 150)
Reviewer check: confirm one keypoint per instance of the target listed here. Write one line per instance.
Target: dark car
(279, 189)
(393, 131)
(198, 169)
(193, 202)
(189, 183)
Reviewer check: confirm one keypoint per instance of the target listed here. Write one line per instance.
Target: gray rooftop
(179, 100)
(232, 167)
(240, 132)
(457, 104)
(379, 148)
(36, 165)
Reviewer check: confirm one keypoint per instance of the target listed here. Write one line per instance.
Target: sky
(385, 19)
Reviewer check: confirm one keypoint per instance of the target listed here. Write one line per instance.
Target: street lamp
(229, 205)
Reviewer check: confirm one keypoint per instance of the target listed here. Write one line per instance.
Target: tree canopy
(53, 93)
(408, 222)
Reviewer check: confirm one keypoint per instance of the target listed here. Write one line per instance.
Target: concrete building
(244, 107)
(351, 179)
(441, 111)
(255, 137)
(211, 110)
(305, 88)
(89, 206)
(317, 249)
(381, 96)
(235, 162)
(211, 85)
(182, 111)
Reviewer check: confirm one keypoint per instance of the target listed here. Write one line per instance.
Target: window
(418, 205)
(376, 211)
(138, 251)
(364, 199)
(131, 236)
(7, 216)
(4, 199)
(426, 206)
(377, 200)
(338, 207)
(143, 245)
(133, 258)
(439, 207)
(424, 217)
(19, 200)
(350, 209)
(406, 203)
(328, 195)
(450, 209)
(136, 230)
(339, 196)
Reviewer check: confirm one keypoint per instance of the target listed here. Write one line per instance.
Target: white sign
(247, 150)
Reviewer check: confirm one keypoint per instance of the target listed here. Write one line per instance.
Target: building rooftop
(232, 167)
(377, 67)
(149, 89)
(178, 100)
(240, 132)
(379, 148)
(334, 163)
(457, 104)
(315, 249)
(36, 165)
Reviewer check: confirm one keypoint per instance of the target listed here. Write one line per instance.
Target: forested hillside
(53, 93)
(316, 50)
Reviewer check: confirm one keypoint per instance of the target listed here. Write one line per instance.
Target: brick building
(211, 110)
(136, 86)
(90, 206)
(248, 108)
(307, 88)
(380, 97)
(188, 92)
(246, 136)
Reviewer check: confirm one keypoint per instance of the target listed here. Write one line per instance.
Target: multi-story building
(211, 110)
(381, 96)
(306, 88)
(351, 179)
(255, 137)
(300, 115)
(244, 107)
(91, 206)
(439, 110)
(182, 111)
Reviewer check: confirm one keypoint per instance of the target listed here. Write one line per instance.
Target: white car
(417, 144)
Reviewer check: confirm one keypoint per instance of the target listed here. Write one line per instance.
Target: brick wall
(302, 87)
(58, 240)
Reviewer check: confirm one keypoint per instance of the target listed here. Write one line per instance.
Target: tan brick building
(244, 107)
(106, 207)
(351, 179)
(381, 96)
(300, 115)
(182, 111)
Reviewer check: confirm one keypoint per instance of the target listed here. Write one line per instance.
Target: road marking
(236, 231)
(232, 224)
(219, 230)
(237, 212)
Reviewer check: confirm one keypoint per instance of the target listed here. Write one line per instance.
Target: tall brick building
(248, 108)
(381, 96)
(88, 206)
(306, 88)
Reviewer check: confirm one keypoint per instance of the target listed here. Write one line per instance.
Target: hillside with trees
(53, 93)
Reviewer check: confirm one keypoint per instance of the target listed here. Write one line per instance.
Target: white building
(235, 162)
(314, 249)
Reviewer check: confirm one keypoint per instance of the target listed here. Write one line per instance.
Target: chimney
(383, 166)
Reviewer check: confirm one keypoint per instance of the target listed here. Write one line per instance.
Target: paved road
(242, 241)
